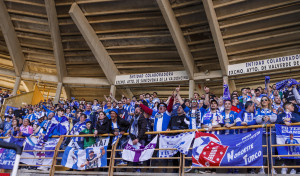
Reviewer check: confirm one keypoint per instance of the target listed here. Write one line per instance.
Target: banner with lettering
(91, 157)
(288, 135)
(8, 156)
(243, 149)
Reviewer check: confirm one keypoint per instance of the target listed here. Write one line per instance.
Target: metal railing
(112, 168)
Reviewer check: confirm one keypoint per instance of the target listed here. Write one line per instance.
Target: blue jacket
(294, 118)
(251, 118)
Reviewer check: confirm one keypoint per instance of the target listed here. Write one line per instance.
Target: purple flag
(137, 153)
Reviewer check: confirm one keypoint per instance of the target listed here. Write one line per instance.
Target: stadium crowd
(147, 112)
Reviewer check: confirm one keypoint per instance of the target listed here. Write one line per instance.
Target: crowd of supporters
(147, 112)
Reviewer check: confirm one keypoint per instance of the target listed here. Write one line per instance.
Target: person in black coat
(177, 122)
(103, 124)
(137, 127)
(119, 127)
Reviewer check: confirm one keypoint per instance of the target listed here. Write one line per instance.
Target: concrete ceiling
(138, 40)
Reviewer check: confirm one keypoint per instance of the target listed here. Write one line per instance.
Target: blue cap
(114, 110)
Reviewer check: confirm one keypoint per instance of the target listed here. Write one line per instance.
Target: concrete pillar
(17, 85)
(191, 88)
(58, 92)
(113, 90)
(66, 91)
(232, 86)
(225, 81)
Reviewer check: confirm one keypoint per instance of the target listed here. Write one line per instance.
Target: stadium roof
(85, 43)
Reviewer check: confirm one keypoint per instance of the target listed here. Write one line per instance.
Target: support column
(232, 86)
(113, 90)
(17, 85)
(225, 81)
(191, 88)
(230, 83)
(66, 91)
(58, 92)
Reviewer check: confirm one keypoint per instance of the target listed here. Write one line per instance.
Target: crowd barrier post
(112, 158)
(267, 145)
(52, 170)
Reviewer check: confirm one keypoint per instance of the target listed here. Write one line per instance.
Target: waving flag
(137, 153)
(181, 142)
(227, 150)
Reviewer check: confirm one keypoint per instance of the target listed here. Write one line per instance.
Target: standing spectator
(137, 130)
(103, 124)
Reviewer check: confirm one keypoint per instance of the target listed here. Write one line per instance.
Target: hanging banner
(243, 149)
(138, 153)
(151, 77)
(8, 156)
(288, 135)
(181, 142)
(34, 146)
(91, 157)
(264, 65)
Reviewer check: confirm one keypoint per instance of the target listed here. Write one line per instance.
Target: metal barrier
(278, 156)
(111, 168)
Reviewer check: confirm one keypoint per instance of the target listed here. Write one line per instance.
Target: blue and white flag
(288, 135)
(138, 153)
(243, 149)
(88, 158)
(181, 142)
(34, 146)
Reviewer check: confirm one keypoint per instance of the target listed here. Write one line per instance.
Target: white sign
(264, 65)
(151, 77)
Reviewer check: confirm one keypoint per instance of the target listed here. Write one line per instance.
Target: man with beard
(137, 131)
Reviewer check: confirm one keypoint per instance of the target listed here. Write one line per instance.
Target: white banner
(264, 65)
(181, 142)
(151, 77)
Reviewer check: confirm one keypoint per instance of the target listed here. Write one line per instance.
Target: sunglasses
(194, 101)
(264, 100)
(162, 106)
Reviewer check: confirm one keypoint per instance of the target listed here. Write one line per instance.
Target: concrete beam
(208, 75)
(113, 90)
(86, 81)
(106, 63)
(178, 38)
(16, 86)
(56, 39)
(217, 36)
(58, 92)
(191, 88)
(11, 39)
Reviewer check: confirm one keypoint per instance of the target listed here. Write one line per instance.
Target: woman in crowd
(26, 129)
(265, 115)
(103, 124)
(14, 129)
